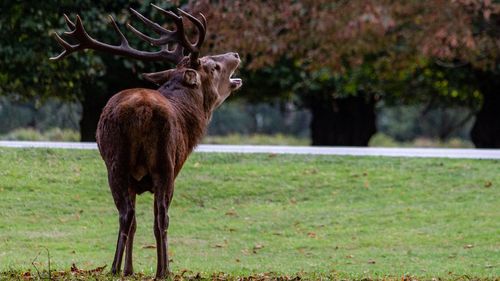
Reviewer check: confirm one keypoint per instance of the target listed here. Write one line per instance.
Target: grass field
(315, 216)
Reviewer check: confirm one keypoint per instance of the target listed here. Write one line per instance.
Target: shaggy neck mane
(189, 106)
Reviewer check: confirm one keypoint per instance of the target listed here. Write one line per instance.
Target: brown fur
(145, 136)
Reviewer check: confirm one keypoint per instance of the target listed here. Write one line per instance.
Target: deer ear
(159, 78)
(191, 78)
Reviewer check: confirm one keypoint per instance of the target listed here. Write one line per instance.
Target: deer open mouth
(235, 83)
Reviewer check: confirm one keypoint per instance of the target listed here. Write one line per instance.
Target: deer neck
(189, 109)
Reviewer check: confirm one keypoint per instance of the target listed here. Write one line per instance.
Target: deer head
(212, 74)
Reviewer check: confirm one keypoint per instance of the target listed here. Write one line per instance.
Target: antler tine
(179, 36)
(156, 27)
(178, 33)
(80, 33)
(69, 23)
(201, 27)
(63, 44)
(150, 40)
(77, 31)
(166, 36)
(180, 27)
(123, 39)
(170, 14)
(204, 21)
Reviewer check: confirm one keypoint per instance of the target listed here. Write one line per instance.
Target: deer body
(130, 117)
(144, 135)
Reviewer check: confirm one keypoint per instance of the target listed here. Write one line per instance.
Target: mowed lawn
(350, 217)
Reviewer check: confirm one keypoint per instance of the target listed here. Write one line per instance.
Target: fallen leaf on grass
(371, 261)
(75, 269)
(219, 245)
(468, 246)
(183, 271)
(258, 246)
(488, 184)
(58, 273)
(150, 246)
(231, 213)
(311, 235)
(312, 171)
(411, 278)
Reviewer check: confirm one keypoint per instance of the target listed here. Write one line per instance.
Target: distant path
(354, 151)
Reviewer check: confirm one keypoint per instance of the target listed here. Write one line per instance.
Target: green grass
(350, 217)
(53, 134)
(383, 140)
(257, 139)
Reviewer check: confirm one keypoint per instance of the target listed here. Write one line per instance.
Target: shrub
(53, 134)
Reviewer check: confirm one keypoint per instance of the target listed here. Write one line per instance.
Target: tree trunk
(486, 130)
(342, 121)
(97, 94)
(92, 106)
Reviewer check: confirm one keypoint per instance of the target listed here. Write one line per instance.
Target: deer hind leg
(163, 196)
(124, 202)
(129, 269)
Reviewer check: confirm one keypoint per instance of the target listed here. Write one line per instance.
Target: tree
(364, 49)
(280, 49)
(466, 35)
(26, 40)
(334, 57)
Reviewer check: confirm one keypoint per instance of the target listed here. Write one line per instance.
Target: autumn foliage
(339, 34)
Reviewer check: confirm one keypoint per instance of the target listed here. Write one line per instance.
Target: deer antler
(167, 37)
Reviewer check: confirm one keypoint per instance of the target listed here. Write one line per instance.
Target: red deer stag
(145, 135)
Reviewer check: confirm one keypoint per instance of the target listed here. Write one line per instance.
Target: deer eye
(217, 67)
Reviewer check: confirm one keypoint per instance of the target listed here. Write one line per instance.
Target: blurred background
(333, 73)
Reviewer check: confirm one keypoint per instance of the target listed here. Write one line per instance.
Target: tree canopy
(306, 51)
(360, 43)
(27, 42)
